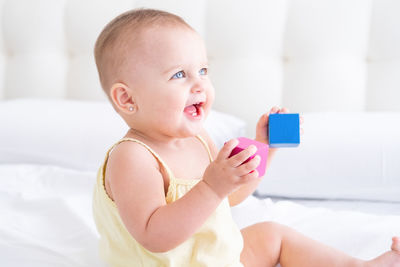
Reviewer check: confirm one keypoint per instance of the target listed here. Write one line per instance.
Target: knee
(270, 226)
(270, 232)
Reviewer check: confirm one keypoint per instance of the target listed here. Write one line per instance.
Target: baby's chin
(193, 130)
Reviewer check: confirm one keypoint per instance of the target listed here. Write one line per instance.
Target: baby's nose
(197, 87)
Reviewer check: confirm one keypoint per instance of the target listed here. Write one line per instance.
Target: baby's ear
(122, 97)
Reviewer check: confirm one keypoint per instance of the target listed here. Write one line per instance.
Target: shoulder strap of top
(164, 165)
(206, 146)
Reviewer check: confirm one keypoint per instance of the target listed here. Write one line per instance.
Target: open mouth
(194, 110)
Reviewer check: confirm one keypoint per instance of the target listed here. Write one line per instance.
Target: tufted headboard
(308, 55)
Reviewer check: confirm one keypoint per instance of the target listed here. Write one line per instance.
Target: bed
(334, 61)
(48, 169)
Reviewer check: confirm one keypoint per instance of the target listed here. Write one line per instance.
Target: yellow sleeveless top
(218, 242)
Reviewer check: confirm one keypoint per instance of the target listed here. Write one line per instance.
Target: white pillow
(341, 155)
(76, 134)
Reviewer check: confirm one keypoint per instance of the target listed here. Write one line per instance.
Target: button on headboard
(308, 55)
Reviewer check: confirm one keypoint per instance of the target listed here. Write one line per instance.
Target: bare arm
(261, 136)
(137, 188)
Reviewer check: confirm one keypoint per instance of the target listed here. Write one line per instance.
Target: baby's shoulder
(127, 164)
(131, 174)
(132, 154)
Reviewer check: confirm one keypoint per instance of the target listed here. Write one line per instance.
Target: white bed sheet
(46, 219)
(373, 207)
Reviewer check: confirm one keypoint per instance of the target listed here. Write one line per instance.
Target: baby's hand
(262, 125)
(225, 174)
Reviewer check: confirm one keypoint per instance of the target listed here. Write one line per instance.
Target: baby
(164, 191)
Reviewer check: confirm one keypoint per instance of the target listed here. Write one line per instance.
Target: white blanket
(46, 219)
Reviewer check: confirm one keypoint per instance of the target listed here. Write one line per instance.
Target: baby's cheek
(211, 95)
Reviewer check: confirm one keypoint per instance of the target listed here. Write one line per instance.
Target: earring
(131, 108)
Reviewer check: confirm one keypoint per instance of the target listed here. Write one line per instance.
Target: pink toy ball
(262, 151)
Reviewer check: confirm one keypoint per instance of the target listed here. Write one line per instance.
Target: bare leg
(267, 244)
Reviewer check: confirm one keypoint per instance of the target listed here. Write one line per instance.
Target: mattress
(46, 218)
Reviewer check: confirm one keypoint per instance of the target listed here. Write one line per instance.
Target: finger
(254, 175)
(262, 122)
(242, 156)
(283, 110)
(261, 128)
(226, 150)
(249, 166)
(274, 110)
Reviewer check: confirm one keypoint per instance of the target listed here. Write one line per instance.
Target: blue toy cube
(284, 130)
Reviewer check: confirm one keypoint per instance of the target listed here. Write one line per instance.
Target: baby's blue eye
(178, 75)
(203, 71)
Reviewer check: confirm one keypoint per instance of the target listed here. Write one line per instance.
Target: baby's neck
(157, 140)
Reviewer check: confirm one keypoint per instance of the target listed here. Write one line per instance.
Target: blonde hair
(118, 34)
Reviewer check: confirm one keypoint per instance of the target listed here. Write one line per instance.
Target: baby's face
(167, 71)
